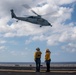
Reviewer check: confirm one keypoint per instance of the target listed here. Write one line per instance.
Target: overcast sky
(18, 40)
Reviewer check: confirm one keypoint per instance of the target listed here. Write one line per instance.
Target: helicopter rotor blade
(28, 7)
(35, 12)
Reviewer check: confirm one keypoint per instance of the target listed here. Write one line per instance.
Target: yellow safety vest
(47, 56)
(37, 54)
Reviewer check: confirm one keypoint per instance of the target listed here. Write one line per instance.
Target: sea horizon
(41, 62)
(32, 64)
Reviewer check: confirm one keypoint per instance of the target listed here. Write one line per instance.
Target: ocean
(28, 64)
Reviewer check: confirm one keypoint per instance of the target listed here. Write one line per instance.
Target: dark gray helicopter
(32, 19)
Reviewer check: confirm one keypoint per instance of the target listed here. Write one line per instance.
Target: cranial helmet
(38, 49)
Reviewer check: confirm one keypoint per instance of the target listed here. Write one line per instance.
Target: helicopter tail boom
(13, 14)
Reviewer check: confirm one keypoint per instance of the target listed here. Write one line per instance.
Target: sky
(19, 40)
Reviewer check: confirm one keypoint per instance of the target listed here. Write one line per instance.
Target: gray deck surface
(30, 72)
(17, 70)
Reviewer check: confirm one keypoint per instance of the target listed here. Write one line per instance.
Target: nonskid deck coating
(25, 72)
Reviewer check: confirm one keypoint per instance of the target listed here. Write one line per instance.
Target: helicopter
(32, 19)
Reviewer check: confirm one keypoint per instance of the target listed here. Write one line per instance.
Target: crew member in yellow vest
(37, 58)
(47, 59)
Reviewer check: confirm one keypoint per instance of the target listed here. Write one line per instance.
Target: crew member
(37, 58)
(47, 59)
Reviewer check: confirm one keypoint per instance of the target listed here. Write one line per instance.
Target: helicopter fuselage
(32, 19)
(35, 20)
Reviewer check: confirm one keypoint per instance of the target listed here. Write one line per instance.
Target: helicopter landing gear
(40, 26)
(51, 25)
(17, 21)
